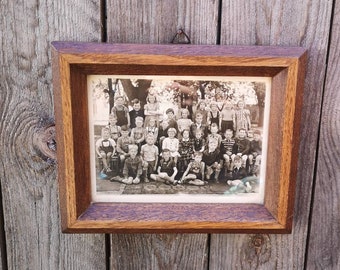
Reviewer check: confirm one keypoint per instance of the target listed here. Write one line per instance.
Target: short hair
(139, 118)
(124, 128)
(201, 102)
(118, 96)
(238, 159)
(213, 103)
(213, 140)
(165, 150)
(242, 129)
(135, 101)
(228, 130)
(214, 125)
(170, 110)
(133, 147)
(173, 130)
(184, 111)
(152, 118)
(198, 130)
(197, 153)
(185, 130)
(105, 129)
(149, 135)
(198, 114)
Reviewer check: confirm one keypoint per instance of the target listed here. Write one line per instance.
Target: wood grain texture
(28, 178)
(159, 251)
(3, 258)
(324, 243)
(304, 23)
(158, 22)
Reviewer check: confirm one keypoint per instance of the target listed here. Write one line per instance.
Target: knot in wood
(45, 142)
(257, 240)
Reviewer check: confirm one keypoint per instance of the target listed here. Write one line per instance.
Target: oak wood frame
(72, 62)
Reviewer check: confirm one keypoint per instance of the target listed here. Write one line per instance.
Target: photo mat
(182, 95)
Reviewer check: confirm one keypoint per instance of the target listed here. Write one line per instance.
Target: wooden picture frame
(72, 62)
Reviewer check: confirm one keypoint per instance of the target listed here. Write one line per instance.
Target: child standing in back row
(121, 111)
(151, 109)
(241, 117)
(227, 116)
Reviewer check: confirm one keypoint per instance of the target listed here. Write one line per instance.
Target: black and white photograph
(178, 138)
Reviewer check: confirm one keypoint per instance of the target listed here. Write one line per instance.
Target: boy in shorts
(105, 149)
(149, 153)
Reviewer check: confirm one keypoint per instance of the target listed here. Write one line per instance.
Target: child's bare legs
(211, 169)
(228, 163)
(209, 172)
(106, 158)
(193, 180)
(162, 177)
(189, 177)
(244, 160)
(128, 180)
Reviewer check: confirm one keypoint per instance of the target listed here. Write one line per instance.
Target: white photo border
(257, 198)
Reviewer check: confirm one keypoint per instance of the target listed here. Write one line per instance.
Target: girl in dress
(151, 109)
(151, 128)
(184, 122)
(172, 144)
(241, 117)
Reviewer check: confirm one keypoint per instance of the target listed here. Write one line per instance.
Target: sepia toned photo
(178, 139)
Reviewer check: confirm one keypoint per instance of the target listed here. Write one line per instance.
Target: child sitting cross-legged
(194, 173)
(211, 158)
(167, 170)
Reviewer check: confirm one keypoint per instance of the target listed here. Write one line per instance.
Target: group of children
(209, 145)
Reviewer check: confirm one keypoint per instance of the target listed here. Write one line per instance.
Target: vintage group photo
(180, 136)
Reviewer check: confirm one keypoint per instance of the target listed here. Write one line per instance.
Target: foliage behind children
(206, 146)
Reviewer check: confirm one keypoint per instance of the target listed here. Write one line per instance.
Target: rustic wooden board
(28, 178)
(158, 22)
(160, 251)
(324, 243)
(3, 259)
(304, 23)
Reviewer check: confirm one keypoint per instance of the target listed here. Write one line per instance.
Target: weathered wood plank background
(30, 235)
